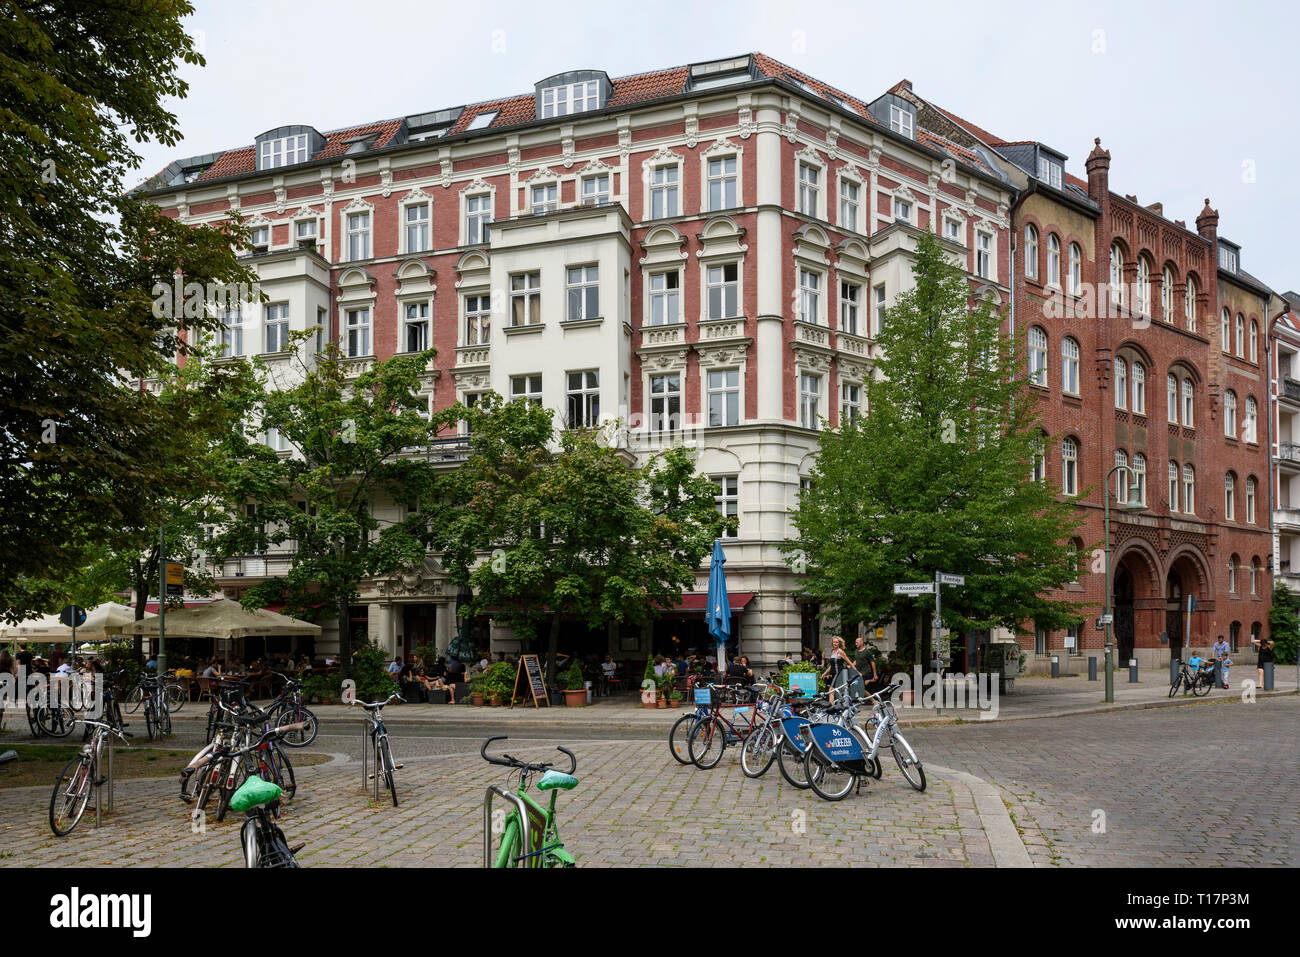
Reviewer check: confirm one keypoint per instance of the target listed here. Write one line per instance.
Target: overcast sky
(1193, 99)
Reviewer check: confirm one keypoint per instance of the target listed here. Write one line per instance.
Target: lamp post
(1134, 504)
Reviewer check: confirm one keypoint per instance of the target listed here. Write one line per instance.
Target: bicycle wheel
(283, 771)
(32, 721)
(150, 720)
(298, 739)
(908, 762)
(386, 755)
(241, 775)
(1202, 686)
(679, 738)
(165, 715)
(830, 781)
(56, 722)
(706, 744)
(758, 752)
(208, 777)
(176, 698)
(135, 699)
(252, 847)
(70, 796)
(212, 722)
(1177, 683)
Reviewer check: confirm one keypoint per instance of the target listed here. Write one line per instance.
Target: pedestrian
(395, 666)
(24, 657)
(1220, 654)
(1265, 657)
(6, 663)
(865, 661)
(838, 660)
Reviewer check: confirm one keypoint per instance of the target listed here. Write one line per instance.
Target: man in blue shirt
(1220, 655)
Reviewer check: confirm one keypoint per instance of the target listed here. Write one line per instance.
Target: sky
(1193, 99)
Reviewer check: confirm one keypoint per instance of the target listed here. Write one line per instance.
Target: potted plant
(575, 691)
(674, 694)
(477, 692)
(663, 685)
(649, 683)
(500, 683)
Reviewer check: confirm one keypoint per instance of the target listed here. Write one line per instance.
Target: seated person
(455, 671)
(607, 667)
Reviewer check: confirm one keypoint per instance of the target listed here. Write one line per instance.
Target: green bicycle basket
(253, 792)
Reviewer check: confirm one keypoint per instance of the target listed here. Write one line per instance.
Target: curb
(1004, 840)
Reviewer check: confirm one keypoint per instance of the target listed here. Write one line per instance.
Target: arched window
(1251, 486)
(1140, 475)
(1076, 269)
(1189, 304)
(1121, 382)
(1053, 260)
(1241, 336)
(1031, 251)
(1116, 274)
(1230, 497)
(1188, 396)
(1167, 295)
(1139, 404)
(1225, 333)
(1038, 470)
(1254, 341)
(1254, 576)
(1142, 290)
(1069, 466)
(1173, 486)
(1122, 479)
(1189, 490)
(1233, 563)
(1250, 422)
(1037, 356)
(1171, 395)
(1070, 366)
(1230, 414)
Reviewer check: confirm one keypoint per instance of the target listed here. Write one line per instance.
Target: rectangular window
(724, 291)
(722, 183)
(277, 440)
(570, 98)
(417, 326)
(417, 228)
(527, 387)
(809, 295)
(849, 205)
(305, 232)
(902, 210)
(526, 299)
(952, 230)
(664, 298)
(809, 189)
(850, 402)
(663, 192)
(901, 120)
(810, 409)
(850, 293)
(277, 327)
(879, 318)
(546, 198)
(259, 239)
(983, 255)
(583, 293)
(1049, 172)
(284, 151)
(666, 402)
(728, 500)
(584, 399)
(358, 236)
(595, 190)
(478, 315)
(470, 400)
(724, 397)
(358, 332)
(478, 214)
(232, 333)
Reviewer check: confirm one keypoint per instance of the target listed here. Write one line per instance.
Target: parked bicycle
(78, 780)
(261, 838)
(529, 835)
(176, 694)
(157, 716)
(384, 766)
(288, 709)
(1198, 681)
(710, 735)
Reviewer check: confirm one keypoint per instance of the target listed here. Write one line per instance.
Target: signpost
(73, 616)
(914, 588)
(934, 588)
(530, 666)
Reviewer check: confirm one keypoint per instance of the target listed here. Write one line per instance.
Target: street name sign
(914, 588)
(946, 579)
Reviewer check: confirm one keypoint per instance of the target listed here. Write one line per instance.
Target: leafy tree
(540, 532)
(937, 476)
(1284, 624)
(84, 451)
(353, 440)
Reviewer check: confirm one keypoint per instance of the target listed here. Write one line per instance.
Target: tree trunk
(552, 647)
(345, 638)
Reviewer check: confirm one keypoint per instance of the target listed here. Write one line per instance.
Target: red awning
(697, 602)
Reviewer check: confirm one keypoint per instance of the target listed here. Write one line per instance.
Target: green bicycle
(528, 834)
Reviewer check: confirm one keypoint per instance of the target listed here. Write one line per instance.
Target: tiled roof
(952, 149)
(232, 162)
(778, 70)
(982, 134)
(648, 86)
(244, 159)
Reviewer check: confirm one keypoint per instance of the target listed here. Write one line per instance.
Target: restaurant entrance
(419, 627)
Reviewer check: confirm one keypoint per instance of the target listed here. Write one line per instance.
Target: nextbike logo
(76, 910)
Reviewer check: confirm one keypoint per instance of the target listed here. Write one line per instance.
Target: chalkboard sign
(530, 666)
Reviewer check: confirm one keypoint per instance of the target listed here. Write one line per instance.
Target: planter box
(576, 699)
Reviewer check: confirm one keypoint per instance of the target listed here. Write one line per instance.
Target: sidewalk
(1034, 697)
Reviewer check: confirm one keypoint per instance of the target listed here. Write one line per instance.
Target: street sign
(946, 579)
(73, 616)
(914, 588)
(175, 578)
(1103, 620)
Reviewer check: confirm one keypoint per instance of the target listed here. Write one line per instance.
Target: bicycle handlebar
(513, 762)
(268, 736)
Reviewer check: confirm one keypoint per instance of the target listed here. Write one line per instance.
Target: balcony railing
(1289, 451)
(1291, 389)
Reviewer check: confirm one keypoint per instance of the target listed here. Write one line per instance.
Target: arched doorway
(1175, 609)
(1123, 611)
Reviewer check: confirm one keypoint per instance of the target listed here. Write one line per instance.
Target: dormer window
(483, 120)
(902, 121)
(1049, 172)
(570, 98)
(720, 73)
(283, 151)
(1227, 258)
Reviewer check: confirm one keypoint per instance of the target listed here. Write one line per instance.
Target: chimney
(1181, 223)
(1098, 167)
(1207, 224)
(1131, 197)
(1157, 208)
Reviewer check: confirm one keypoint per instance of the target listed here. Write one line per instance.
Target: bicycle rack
(518, 802)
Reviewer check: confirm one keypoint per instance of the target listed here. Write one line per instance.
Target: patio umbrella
(223, 618)
(718, 610)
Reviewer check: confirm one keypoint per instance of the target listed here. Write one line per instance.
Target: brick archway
(1138, 598)
(1187, 572)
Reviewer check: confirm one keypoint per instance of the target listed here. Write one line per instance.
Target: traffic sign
(175, 578)
(914, 588)
(946, 579)
(73, 616)
(1105, 619)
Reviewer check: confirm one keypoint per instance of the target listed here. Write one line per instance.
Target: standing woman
(836, 662)
(1265, 656)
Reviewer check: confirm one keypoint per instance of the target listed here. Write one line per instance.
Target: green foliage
(802, 667)
(649, 674)
(1284, 624)
(121, 656)
(573, 680)
(499, 680)
(936, 477)
(370, 672)
(89, 462)
(568, 528)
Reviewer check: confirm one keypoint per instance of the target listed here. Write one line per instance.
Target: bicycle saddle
(557, 779)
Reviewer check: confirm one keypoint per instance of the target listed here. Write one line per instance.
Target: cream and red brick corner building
(702, 254)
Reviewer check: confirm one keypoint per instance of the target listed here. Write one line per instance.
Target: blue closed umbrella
(718, 612)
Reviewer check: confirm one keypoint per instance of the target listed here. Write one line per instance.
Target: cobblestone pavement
(1204, 785)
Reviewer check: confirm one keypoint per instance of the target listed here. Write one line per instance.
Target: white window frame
(1069, 466)
(1253, 354)
(668, 190)
(1230, 414)
(728, 500)
(529, 294)
(1142, 288)
(1225, 331)
(232, 333)
(1138, 380)
(1037, 356)
(1070, 366)
(903, 209)
(1167, 295)
(1117, 275)
(724, 391)
(1121, 383)
(849, 211)
(1189, 304)
(1250, 420)
(359, 234)
(810, 399)
(809, 192)
(1229, 497)
(1189, 489)
(811, 298)
(1241, 336)
(850, 402)
(364, 332)
(284, 151)
(1173, 473)
(570, 98)
(1189, 403)
(669, 297)
(476, 321)
(1031, 251)
(665, 419)
(985, 250)
(549, 200)
(709, 286)
(1076, 269)
(880, 295)
(1140, 476)
(1171, 398)
(532, 387)
(587, 395)
(405, 207)
(476, 218)
(276, 317)
(954, 229)
(1252, 494)
(902, 121)
(584, 280)
(850, 306)
(597, 196)
(723, 180)
(424, 306)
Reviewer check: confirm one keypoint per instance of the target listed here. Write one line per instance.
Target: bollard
(1056, 666)
(1132, 671)
(1268, 675)
(1218, 673)
(1175, 666)
(1092, 668)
